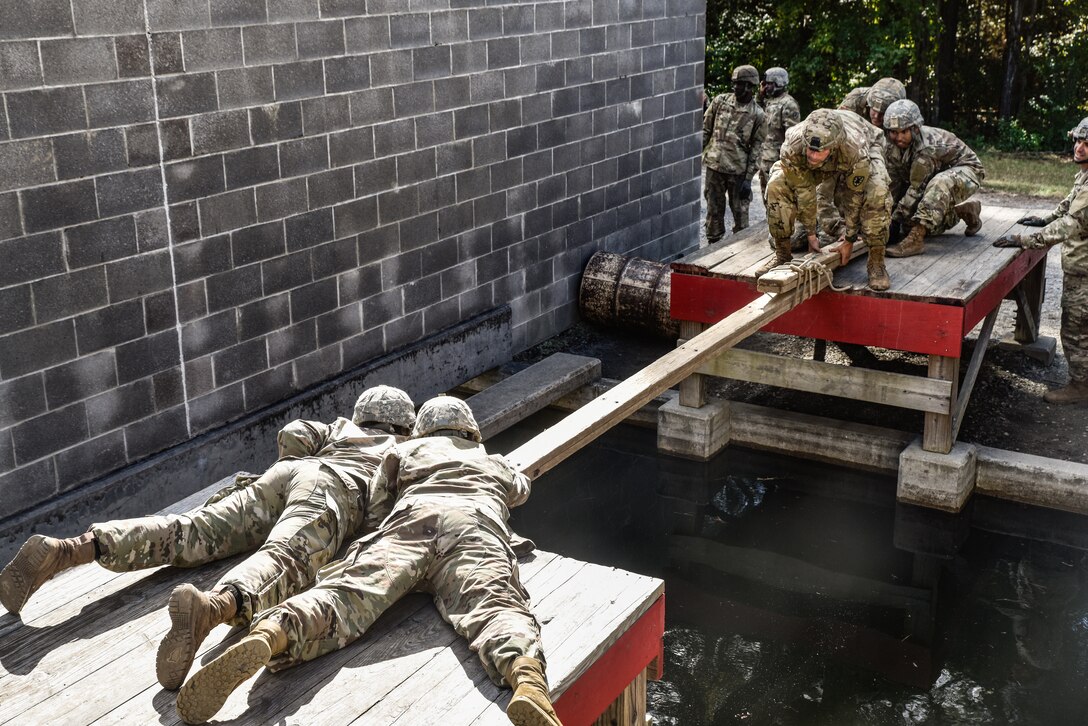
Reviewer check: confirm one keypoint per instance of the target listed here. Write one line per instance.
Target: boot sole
(178, 649)
(523, 712)
(16, 580)
(899, 255)
(208, 689)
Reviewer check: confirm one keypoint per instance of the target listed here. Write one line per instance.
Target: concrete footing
(931, 479)
(694, 433)
(1042, 350)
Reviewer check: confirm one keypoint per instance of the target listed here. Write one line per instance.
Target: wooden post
(629, 708)
(692, 388)
(1029, 304)
(937, 434)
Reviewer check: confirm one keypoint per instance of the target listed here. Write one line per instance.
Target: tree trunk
(1014, 28)
(944, 110)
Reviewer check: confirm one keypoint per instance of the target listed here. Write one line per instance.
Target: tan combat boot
(531, 705)
(193, 614)
(782, 256)
(37, 561)
(878, 273)
(205, 693)
(912, 244)
(969, 212)
(1071, 393)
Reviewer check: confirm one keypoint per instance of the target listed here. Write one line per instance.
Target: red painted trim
(991, 296)
(589, 696)
(908, 325)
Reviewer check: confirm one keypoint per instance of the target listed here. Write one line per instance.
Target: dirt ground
(1006, 411)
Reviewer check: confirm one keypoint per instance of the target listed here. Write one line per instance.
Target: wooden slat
(937, 431)
(780, 280)
(973, 368)
(892, 389)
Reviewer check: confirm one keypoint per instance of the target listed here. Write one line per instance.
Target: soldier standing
(933, 174)
(448, 534)
(836, 149)
(782, 112)
(734, 127)
(317, 495)
(1068, 225)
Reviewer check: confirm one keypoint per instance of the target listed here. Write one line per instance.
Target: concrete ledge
(694, 433)
(423, 369)
(930, 479)
(1033, 479)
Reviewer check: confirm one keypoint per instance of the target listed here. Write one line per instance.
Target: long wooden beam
(551, 446)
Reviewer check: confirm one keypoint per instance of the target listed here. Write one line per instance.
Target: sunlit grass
(1033, 174)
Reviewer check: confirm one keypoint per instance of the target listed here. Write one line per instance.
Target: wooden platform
(85, 653)
(935, 300)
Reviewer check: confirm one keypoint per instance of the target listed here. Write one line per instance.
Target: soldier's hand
(813, 243)
(746, 190)
(1032, 221)
(1012, 240)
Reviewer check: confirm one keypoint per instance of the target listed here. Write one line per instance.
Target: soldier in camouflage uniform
(837, 149)
(1067, 225)
(316, 496)
(448, 535)
(864, 100)
(734, 127)
(933, 174)
(782, 112)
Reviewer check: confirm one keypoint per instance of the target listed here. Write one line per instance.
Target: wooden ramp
(85, 653)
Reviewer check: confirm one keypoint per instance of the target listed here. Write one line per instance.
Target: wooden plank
(557, 442)
(630, 708)
(703, 260)
(1030, 295)
(784, 279)
(527, 392)
(937, 434)
(973, 367)
(892, 389)
(692, 388)
(985, 299)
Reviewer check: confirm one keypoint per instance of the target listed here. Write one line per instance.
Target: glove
(1032, 221)
(1012, 240)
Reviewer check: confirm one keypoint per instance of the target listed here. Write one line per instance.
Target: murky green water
(803, 594)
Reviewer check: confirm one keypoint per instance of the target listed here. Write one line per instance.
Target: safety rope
(809, 271)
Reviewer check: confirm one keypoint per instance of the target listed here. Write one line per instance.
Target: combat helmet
(822, 130)
(902, 114)
(746, 73)
(885, 92)
(1080, 131)
(386, 405)
(446, 413)
(777, 76)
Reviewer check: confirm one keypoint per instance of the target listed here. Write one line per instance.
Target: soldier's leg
(936, 210)
(1074, 340)
(876, 213)
(828, 216)
(738, 204)
(781, 218)
(715, 193)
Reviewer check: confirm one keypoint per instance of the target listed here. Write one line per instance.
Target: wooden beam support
(893, 389)
(692, 388)
(1029, 303)
(937, 434)
(972, 372)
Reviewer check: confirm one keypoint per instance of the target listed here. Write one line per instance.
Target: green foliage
(1011, 136)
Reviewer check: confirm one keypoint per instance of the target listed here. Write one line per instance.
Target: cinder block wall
(207, 206)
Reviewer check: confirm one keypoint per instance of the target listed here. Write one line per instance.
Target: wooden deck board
(84, 652)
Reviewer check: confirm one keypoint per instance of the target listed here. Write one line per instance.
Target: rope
(809, 272)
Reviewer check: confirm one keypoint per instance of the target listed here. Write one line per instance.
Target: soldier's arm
(1063, 207)
(1072, 224)
(855, 197)
(708, 120)
(804, 190)
(520, 485)
(759, 133)
(301, 438)
(922, 170)
(791, 114)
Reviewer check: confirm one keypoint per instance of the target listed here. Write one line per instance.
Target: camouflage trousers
(297, 513)
(449, 552)
(721, 191)
(1075, 326)
(936, 210)
(765, 176)
(783, 213)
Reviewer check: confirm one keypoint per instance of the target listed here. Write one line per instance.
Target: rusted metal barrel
(627, 292)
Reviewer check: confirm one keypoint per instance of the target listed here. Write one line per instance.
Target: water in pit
(799, 593)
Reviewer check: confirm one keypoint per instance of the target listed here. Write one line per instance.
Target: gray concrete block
(46, 111)
(238, 12)
(450, 93)
(484, 23)
(215, 408)
(437, 193)
(187, 95)
(930, 479)
(320, 39)
(468, 58)
(394, 137)
(37, 348)
(355, 216)
(194, 178)
(275, 122)
(260, 242)
(220, 131)
(287, 272)
(409, 30)
(449, 27)
(367, 34)
(391, 67)
(350, 73)
(214, 49)
(59, 205)
(431, 62)
(324, 114)
(304, 156)
(233, 288)
(307, 230)
(413, 99)
(341, 8)
(487, 86)
(422, 293)
(283, 10)
(139, 147)
(265, 44)
(35, 19)
(109, 326)
(26, 163)
(166, 54)
(16, 309)
(90, 459)
(156, 433)
(63, 296)
(160, 311)
(330, 187)
(129, 191)
(402, 332)
(224, 212)
(251, 166)
(119, 406)
(268, 387)
(282, 198)
(201, 258)
(535, 49)
(357, 283)
(92, 244)
(123, 102)
(318, 366)
(49, 433)
(693, 433)
(139, 275)
(21, 399)
(305, 79)
(152, 232)
(338, 325)
(177, 14)
(192, 301)
(291, 343)
(415, 167)
(207, 335)
(242, 87)
(263, 316)
(20, 66)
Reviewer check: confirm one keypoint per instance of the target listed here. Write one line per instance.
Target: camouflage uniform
(448, 535)
(732, 140)
(315, 497)
(857, 101)
(930, 177)
(782, 112)
(1067, 225)
(853, 179)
